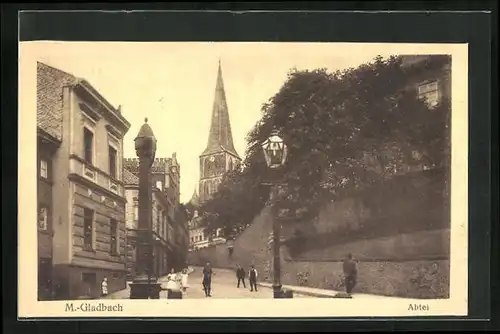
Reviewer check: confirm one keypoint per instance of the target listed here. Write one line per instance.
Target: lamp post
(144, 285)
(275, 153)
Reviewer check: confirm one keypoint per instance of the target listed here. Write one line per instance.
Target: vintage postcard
(217, 179)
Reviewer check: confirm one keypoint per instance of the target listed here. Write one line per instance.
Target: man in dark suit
(350, 273)
(240, 275)
(207, 279)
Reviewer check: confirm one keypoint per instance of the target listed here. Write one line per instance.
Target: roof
(129, 178)
(145, 130)
(160, 165)
(220, 137)
(50, 82)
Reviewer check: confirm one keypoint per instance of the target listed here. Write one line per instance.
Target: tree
(345, 130)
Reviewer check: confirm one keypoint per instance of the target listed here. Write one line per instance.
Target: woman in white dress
(184, 280)
(172, 282)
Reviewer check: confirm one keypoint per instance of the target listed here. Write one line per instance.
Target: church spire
(195, 199)
(220, 137)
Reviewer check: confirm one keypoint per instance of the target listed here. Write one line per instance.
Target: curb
(329, 294)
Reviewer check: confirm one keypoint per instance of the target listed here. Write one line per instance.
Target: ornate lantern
(275, 150)
(145, 142)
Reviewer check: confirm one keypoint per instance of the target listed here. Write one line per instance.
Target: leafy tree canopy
(345, 130)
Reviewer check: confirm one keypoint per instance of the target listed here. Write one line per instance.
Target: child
(172, 284)
(184, 280)
(104, 287)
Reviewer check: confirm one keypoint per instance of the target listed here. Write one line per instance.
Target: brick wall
(411, 279)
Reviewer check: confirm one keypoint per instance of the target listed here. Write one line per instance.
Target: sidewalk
(125, 293)
(322, 293)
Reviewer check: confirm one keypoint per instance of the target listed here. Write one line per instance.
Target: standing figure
(207, 279)
(350, 273)
(184, 280)
(240, 275)
(172, 284)
(252, 277)
(104, 287)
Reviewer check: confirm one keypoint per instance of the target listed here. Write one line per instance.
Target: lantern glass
(275, 151)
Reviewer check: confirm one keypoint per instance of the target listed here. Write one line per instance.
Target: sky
(173, 84)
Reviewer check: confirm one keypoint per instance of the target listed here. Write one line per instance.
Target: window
(42, 219)
(158, 219)
(88, 139)
(429, 92)
(112, 162)
(88, 229)
(44, 169)
(159, 185)
(114, 236)
(136, 209)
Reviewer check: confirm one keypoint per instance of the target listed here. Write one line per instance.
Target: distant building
(168, 225)
(220, 155)
(198, 238)
(81, 194)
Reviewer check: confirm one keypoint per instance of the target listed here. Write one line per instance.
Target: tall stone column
(145, 284)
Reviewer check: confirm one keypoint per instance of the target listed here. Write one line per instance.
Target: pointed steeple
(220, 137)
(195, 200)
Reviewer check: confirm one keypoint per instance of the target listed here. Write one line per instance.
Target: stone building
(47, 147)
(161, 226)
(87, 214)
(220, 155)
(168, 226)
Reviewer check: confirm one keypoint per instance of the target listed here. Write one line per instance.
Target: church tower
(220, 155)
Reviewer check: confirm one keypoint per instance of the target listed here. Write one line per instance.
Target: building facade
(88, 196)
(46, 149)
(167, 224)
(220, 155)
(199, 238)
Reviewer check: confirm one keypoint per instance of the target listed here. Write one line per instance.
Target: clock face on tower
(212, 159)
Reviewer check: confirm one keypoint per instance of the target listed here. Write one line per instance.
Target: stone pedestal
(142, 289)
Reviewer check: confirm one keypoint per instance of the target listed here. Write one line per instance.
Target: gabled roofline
(111, 111)
(221, 149)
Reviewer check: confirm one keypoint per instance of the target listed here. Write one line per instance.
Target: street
(223, 286)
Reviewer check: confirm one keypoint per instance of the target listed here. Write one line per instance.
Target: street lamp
(275, 153)
(144, 286)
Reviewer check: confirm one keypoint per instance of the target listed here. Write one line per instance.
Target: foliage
(345, 130)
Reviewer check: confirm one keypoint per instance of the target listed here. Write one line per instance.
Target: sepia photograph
(209, 179)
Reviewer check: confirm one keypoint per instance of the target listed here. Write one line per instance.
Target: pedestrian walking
(104, 287)
(207, 279)
(350, 273)
(240, 275)
(184, 279)
(252, 277)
